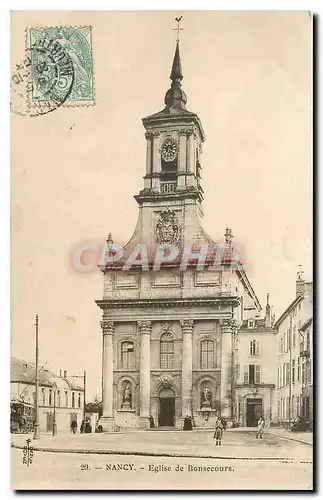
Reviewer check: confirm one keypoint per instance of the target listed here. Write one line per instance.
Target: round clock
(169, 150)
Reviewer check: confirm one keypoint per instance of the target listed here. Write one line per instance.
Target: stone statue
(206, 397)
(126, 398)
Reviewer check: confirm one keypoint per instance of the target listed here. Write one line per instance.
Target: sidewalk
(279, 432)
(236, 445)
(299, 437)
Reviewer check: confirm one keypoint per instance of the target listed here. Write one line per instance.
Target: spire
(175, 98)
(176, 74)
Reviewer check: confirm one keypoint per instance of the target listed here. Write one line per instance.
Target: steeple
(175, 98)
(176, 73)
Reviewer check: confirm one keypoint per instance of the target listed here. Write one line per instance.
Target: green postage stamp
(76, 44)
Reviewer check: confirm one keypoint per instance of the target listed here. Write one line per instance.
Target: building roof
(289, 308)
(260, 326)
(23, 371)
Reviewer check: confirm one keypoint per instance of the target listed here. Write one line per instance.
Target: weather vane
(178, 29)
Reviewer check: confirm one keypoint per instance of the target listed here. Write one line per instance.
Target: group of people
(188, 423)
(84, 428)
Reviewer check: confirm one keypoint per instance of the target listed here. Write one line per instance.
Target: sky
(75, 170)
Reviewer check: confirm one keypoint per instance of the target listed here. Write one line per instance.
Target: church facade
(173, 300)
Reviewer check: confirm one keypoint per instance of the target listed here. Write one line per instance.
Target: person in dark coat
(74, 426)
(187, 424)
(82, 427)
(88, 427)
(151, 422)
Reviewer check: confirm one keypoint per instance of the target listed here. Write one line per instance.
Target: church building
(172, 303)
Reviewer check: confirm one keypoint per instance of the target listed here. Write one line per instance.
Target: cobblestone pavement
(236, 444)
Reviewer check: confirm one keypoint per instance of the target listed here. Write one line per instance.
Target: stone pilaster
(107, 419)
(191, 163)
(228, 328)
(145, 330)
(187, 359)
(181, 178)
(149, 150)
(156, 165)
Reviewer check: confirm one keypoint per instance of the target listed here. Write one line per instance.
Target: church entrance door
(166, 416)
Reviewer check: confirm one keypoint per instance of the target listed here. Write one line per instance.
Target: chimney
(300, 282)
(268, 313)
(65, 373)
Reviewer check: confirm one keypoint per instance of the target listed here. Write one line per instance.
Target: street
(238, 468)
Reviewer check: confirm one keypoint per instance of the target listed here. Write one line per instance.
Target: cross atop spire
(178, 29)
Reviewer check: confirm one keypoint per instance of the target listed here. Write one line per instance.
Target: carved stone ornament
(144, 326)
(166, 380)
(166, 327)
(187, 325)
(167, 229)
(107, 327)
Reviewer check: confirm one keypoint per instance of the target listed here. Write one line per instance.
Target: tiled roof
(23, 371)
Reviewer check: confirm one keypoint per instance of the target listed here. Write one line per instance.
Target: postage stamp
(76, 43)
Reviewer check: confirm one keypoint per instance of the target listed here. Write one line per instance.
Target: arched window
(79, 400)
(207, 354)
(50, 398)
(167, 351)
(127, 355)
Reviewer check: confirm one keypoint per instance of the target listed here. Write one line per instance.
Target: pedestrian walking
(74, 426)
(260, 431)
(218, 431)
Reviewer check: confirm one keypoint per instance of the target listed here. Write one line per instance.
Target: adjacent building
(60, 394)
(295, 356)
(255, 387)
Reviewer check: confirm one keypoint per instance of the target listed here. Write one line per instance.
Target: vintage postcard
(162, 290)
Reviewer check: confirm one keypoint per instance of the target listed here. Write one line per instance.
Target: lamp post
(36, 429)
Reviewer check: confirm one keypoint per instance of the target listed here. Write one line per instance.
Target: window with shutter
(257, 348)
(257, 374)
(246, 374)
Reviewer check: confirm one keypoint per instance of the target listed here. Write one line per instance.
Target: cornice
(162, 303)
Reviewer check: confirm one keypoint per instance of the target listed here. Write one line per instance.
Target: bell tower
(174, 137)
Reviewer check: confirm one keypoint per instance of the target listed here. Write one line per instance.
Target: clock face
(169, 150)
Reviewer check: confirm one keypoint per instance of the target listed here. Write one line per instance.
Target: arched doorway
(166, 413)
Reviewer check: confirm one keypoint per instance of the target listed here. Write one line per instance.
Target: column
(182, 159)
(149, 149)
(187, 359)
(107, 420)
(191, 166)
(156, 166)
(145, 330)
(226, 369)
